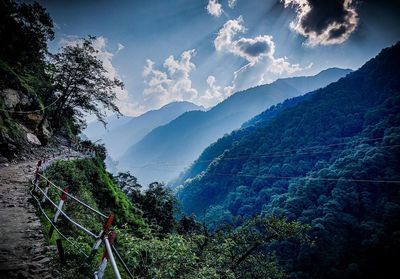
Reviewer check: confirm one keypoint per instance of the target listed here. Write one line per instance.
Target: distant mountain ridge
(96, 129)
(165, 151)
(125, 131)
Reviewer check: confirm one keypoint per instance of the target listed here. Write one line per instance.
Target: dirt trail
(24, 252)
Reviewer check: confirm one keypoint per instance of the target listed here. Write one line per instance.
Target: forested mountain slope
(165, 151)
(330, 161)
(226, 142)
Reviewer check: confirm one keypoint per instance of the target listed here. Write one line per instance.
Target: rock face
(43, 133)
(33, 139)
(23, 249)
(11, 98)
(16, 133)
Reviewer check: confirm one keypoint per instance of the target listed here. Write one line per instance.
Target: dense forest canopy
(330, 161)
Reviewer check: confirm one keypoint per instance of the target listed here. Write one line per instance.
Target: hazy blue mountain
(95, 130)
(126, 131)
(330, 161)
(162, 154)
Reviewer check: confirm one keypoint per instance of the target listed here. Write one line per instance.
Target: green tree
(129, 185)
(81, 84)
(158, 205)
(228, 253)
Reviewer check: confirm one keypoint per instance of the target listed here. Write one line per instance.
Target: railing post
(37, 177)
(103, 232)
(59, 208)
(46, 190)
(108, 241)
(61, 252)
(107, 255)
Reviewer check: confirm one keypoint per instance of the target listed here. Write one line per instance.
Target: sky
(203, 51)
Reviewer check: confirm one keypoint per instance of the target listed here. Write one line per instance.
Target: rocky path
(23, 249)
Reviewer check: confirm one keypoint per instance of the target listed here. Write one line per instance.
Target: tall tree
(158, 205)
(81, 84)
(129, 185)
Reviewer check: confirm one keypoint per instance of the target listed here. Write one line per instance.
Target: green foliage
(59, 87)
(314, 162)
(80, 79)
(89, 180)
(25, 30)
(229, 253)
(157, 203)
(166, 248)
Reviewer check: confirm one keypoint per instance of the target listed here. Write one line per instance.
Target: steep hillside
(330, 161)
(226, 142)
(164, 152)
(125, 131)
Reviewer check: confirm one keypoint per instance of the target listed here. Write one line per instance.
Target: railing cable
(55, 227)
(66, 215)
(72, 197)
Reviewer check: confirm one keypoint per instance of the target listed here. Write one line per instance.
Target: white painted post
(46, 190)
(110, 255)
(60, 204)
(59, 208)
(102, 268)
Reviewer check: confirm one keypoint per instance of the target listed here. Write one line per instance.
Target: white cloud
(120, 47)
(227, 32)
(232, 3)
(324, 22)
(172, 83)
(214, 8)
(259, 51)
(213, 94)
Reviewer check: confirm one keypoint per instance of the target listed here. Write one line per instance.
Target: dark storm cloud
(324, 22)
(254, 48)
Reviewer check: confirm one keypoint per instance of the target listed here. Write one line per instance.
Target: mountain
(162, 154)
(224, 143)
(126, 131)
(95, 130)
(330, 161)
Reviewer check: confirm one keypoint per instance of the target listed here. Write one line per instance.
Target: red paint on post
(64, 194)
(36, 177)
(108, 223)
(111, 237)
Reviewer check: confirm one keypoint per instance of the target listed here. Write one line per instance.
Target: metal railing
(106, 235)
